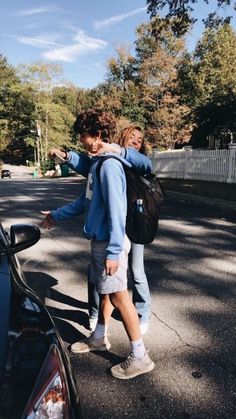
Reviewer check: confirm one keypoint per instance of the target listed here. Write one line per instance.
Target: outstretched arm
(77, 161)
(66, 212)
(140, 163)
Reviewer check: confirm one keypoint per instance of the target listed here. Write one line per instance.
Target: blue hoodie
(105, 200)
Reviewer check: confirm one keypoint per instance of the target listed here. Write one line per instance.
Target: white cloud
(36, 11)
(38, 41)
(116, 19)
(83, 43)
(39, 10)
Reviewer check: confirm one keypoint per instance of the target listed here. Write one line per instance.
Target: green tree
(122, 84)
(159, 54)
(207, 82)
(217, 119)
(56, 105)
(119, 92)
(182, 11)
(8, 82)
(214, 64)
(16, 113)
(41, 78)
(121, 69)
(67, 96)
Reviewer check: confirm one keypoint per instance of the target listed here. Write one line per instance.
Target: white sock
(100, 331)
(138, 348)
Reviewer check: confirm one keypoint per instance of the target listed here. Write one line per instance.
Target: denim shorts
(107, 284)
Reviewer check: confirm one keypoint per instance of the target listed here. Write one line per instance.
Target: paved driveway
(191, 268)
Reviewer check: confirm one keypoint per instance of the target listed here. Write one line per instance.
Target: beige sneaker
(90, 344)
(131, 367)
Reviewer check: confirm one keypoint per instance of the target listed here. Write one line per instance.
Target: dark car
(5, 173)
(36, 379)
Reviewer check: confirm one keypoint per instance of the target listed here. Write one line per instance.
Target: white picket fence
(211, 165)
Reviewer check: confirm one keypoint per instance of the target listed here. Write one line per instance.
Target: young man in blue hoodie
(105, 205)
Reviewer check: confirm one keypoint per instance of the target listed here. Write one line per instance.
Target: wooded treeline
(177, 96)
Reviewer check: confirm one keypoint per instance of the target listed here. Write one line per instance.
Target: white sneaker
(132, 367)
(143, 328)
(90, 344)
(92, 323)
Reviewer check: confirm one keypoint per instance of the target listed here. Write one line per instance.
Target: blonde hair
(123, 135)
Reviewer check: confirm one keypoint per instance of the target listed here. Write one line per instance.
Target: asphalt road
(191, 267)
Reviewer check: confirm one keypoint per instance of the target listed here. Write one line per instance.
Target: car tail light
(50, 397)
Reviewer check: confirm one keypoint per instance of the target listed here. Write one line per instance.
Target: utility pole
(38, 142)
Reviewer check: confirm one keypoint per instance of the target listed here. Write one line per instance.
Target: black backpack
(144, 196)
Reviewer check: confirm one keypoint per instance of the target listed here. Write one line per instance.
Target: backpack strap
(102, 159)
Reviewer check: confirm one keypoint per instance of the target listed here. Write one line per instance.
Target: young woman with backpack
(131, 136)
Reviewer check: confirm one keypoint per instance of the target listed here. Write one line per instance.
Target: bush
(47, 165)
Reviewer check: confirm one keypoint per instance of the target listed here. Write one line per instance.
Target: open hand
(48, 221)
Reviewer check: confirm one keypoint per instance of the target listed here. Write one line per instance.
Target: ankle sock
(138, 348)
(100, 331)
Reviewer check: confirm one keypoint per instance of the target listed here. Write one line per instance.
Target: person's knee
(104, 299)
(119, 298)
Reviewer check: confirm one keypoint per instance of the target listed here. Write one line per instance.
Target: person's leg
(138, 362)
(105, 309)
(122, 302)
(141, 293)
(116, 286)
(93, 303)
(93, 300)
(98, 340)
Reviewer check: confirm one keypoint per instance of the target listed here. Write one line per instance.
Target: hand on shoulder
(102, 148)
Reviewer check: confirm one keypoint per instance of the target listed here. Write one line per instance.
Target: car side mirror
(23, 236)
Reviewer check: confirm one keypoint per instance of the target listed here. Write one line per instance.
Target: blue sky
(81, 35)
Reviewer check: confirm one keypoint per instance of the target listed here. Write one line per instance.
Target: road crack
(231, 369)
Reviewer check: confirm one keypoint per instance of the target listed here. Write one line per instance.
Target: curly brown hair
(123, 135)
(95, 122)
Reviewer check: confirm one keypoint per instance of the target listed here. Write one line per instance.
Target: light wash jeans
(141, 293)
